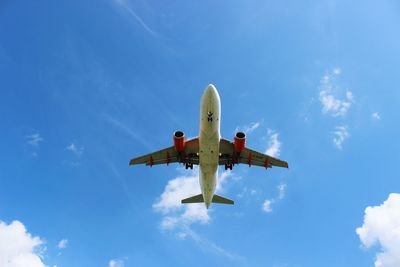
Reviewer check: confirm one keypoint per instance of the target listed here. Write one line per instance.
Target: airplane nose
(211, 88)
(211, 91)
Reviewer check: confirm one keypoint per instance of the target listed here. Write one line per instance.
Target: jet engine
(179, 141)
(239, 141)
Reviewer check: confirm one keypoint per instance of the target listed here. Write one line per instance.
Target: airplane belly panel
(209, 139)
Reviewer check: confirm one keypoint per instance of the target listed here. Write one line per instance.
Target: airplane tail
(194, 199)
(222, 200)
(199, 199)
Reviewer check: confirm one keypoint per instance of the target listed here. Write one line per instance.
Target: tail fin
(199, 199)
(194, 199)
(222, 200)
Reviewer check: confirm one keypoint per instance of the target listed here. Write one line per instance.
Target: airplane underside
(209, 151)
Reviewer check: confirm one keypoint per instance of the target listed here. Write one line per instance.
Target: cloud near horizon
(382, 227)
(18, 248)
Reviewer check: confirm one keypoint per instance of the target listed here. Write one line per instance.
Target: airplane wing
(169, 155)
(248, 156)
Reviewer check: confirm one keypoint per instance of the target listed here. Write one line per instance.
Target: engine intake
(239, 141)
(179, 141)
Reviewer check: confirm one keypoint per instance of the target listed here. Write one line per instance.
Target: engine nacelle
(239, 141)
(179, 141)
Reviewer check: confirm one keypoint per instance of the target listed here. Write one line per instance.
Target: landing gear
(228, 166)
(189, 166)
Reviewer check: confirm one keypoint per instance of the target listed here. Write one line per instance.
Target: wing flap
(169, 155)
(248, 156)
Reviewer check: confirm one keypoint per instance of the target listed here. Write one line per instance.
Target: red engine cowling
(239, 141)
(179, 141)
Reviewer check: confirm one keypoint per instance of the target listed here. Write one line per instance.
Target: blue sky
(87, 85)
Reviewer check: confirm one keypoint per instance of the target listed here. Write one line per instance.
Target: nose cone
(211, 91)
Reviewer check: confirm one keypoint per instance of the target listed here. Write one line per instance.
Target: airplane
(209, 151)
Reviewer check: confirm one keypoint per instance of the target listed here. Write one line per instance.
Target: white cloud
(340, 134)
(274, 145)
(376, 116)
(18, 248)
(337, 71)
(169, 203)
(247, 129)
(382, 226)
(63, 243)
(116, 263)
(268, 203)
(331, 104)
(75, 149)
(34, 139)
(179, 217)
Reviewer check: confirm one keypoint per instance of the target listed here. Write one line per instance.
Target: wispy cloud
(375, 116)
(62, 244)
(274, 145)
(18, 247)
(340, 134)
(75, 149)
(116, 263)
(382, 226)
(124, 128)
(268, 203)
(180, 218)
(34, 139)
(247, 129)
(328, 91)
(336, 102)
(281, 191)
(210, 246)
(125, 5)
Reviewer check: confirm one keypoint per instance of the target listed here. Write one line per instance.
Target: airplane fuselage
(209, 140)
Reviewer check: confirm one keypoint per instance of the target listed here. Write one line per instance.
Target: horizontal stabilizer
(222, 200)
(199, 199)
(194, 199)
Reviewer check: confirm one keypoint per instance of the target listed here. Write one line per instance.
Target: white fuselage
(209, 138)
